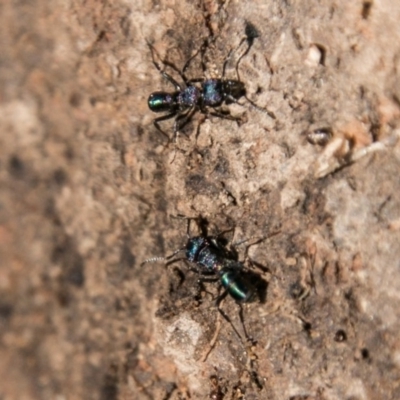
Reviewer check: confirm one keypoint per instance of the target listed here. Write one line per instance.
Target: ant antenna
(251, 34)
(152, 260)
(168, 258)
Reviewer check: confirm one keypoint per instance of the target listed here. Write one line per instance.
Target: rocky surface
(89, 190)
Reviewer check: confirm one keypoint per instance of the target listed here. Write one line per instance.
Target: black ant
(210, 257)
(189, 98)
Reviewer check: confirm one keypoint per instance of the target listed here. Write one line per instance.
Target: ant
(187, 99)
(210, 257)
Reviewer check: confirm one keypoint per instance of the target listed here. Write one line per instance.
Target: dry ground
(88, 191)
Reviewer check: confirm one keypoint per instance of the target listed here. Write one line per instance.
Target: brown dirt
(88, 191)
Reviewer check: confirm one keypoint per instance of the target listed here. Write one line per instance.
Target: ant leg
(227, 58)
(222, 233)
(263, 110)
(168, 77)
(176, 69)
(203, 52)
(170, 262)
(163, 118)
(215, 279)
(221, 115)
(213, 340)
(182, 119)
(251, 364)
(188, 227)
(204, 279)
(195, 80)
(246, 251)
(201, 223)
(258, 240)
(225, 316)
(187, 63)
(198, 129)
(248, 337)
(225, 116)
(254, 105)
